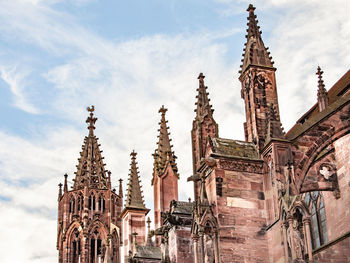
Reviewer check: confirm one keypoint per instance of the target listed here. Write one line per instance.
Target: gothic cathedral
(275, 197)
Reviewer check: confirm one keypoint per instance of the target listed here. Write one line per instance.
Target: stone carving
(295, 240)
(242, 166)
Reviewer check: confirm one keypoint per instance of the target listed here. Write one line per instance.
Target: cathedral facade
(275, 197)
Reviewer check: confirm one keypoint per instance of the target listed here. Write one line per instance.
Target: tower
(257, 76)
(89, 226)
(134, 212)
(165, 173)
(203, 126)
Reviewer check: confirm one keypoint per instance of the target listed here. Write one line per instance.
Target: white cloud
(16, 80)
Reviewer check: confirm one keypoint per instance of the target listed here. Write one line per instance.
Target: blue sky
(128, 58)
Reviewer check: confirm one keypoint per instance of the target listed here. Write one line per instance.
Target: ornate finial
(251, 8)
(148, 223)
(163, 110)
(91, 119)
(320, 80)
(201, 79)
(322, 94)
(133, 155)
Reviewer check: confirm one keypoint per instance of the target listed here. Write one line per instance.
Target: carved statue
(295, 238)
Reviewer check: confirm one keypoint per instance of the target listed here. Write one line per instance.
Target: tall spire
(255, 52)
(134, 198)
(322, 94)
(164, 153)
(203, 106)
(90, 169)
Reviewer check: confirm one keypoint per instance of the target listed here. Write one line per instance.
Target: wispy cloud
(16, 81)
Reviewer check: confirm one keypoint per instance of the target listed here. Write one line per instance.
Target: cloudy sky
(128, 58)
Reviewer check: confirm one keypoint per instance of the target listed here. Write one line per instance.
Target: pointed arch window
(95, 248)
(315, 203)
(72, 205)
(101, 203)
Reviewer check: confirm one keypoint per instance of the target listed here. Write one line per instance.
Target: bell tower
(258, 82)
(89, 224)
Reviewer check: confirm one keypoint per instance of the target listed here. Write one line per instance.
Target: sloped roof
(338, 95)
(148, 252)
(234, 148)
(181, 207)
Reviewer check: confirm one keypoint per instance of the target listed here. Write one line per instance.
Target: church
(275, 197)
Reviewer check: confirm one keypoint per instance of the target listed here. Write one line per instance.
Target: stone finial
(120, 187)
(322, 94)
(59, 191)
(65, 189)
(91, 120)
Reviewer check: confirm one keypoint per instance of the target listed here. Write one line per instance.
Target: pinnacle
(90, 169)
(163, 154)
(321, 86)
(203, 106)
(134, 196)
(255, 52)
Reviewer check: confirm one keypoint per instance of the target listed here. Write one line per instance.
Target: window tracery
(315, 203)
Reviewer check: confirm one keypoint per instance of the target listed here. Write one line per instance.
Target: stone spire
(274, 126)
(164, 154)
(65, 189)
(203, 106)
(322, 94)
(121, 187)
(90, 169)
(134, 198)
(255, 52)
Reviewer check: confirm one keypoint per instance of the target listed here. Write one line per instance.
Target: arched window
(92, 202)
(96, 248)
(314, 202)
(101, 203)
(76, 247)
(72, 205)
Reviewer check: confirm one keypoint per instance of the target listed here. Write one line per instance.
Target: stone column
(201, 241)
(290, 223)
(285, 240)
(195, 248)
(216, 245)
(306, 222)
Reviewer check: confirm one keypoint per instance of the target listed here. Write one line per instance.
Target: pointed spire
(322, 94)
(274, 126)
(203, 106)
(59, 191)
(65, 189)
(164, 154)
(134, 198)
(120, 187)
(91, 169)
(255, 52)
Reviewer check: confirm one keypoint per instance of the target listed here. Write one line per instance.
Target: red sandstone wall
(338, 210)
(241, 215)
(180, 245)
(338, 253)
